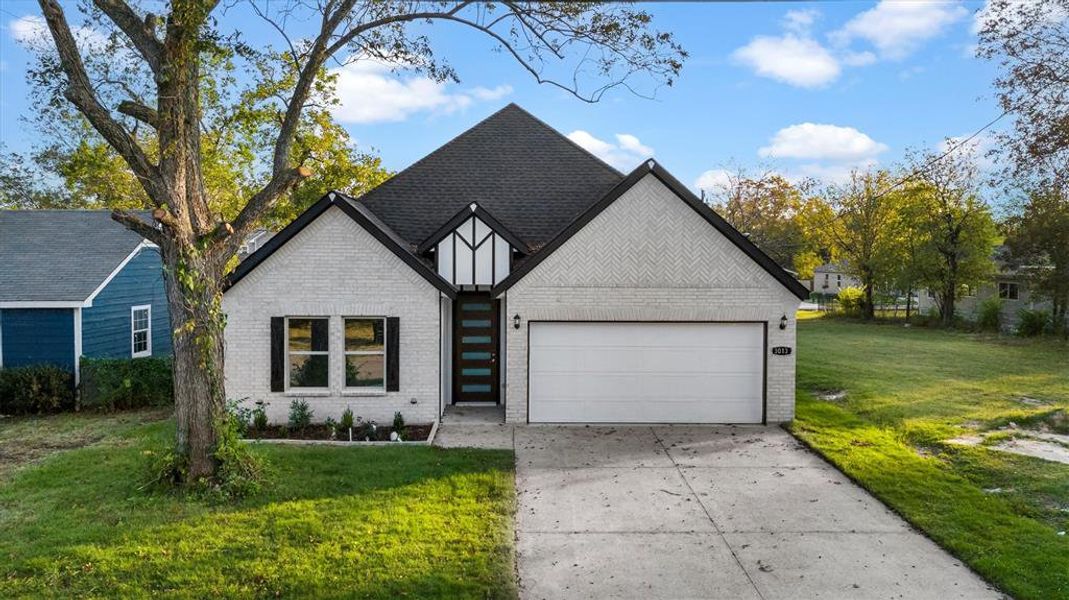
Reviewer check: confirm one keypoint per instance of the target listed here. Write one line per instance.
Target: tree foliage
(774, 213)
(1037, 235)
(1030, 42)
(864, 230)
(955, 230)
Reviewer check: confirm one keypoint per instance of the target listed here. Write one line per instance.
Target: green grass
(910, 390)
(386, 522)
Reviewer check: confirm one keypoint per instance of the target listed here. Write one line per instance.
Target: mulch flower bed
(410, 433)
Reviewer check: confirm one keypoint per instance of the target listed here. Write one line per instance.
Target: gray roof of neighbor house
(59, 255)
(531, 178)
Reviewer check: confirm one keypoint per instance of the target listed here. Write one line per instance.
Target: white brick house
(511, 267)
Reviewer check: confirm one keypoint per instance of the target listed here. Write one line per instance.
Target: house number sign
(781, 350)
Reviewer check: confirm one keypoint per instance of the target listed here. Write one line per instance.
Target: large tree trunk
(196, 319)
(949, 299)
(909, 301)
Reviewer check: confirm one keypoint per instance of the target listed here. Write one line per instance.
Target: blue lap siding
(106, 326)
(30, 336)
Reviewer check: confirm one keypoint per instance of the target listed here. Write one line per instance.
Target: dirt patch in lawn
(1037, 447)
(28, 440)
(830, 395)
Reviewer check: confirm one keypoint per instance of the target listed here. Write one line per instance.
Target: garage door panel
(739, 411)
(672, 360)
(646, 372)
(657, 387)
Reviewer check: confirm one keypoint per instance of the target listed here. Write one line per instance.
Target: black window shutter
(278, 354)
(393, 352)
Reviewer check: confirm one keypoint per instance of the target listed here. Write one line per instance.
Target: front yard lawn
(908, 392)
(385, 522)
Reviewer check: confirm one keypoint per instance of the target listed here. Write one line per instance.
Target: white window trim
(307, 390)
(364, 391)
(148, 331)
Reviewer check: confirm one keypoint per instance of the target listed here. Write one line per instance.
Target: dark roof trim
(317, 209)
(463, 215)
(652, 167)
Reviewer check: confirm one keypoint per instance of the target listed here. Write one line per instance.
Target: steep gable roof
(530, 177)
(651, 167)
(363, 217)
(59, 255)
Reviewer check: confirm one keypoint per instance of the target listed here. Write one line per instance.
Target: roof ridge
(549, 127)
(427, 156)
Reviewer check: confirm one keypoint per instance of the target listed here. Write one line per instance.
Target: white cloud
(816, 141)
(368, 92)
(794, 59)
(897, 28)
(624, 155)
(715, 181)
(799, 21)
(31, 32)
(858, 59)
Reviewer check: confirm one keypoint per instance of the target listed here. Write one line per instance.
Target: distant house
(829, 278)
(1009, 284)
(75, 283)
(254, 242)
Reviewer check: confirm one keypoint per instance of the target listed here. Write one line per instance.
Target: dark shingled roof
(59, 255)
(523, 172)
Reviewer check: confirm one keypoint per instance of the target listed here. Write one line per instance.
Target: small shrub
(240, 414)
(989, 315)
(851, 299)
(366, 430)
(36, 389)
(300, 415)
(398, 422)
(239, 472)
(333, 426)
(259, 416)
(346, 422)
(124, 383)
(1032, 322)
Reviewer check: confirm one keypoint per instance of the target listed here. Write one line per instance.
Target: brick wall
(334, 268)
(650, 257)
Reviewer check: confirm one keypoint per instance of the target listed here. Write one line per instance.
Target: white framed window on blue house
(141, 331)
(308, 352)
(365, 354)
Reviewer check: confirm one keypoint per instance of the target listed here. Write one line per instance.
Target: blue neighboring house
(75, 283)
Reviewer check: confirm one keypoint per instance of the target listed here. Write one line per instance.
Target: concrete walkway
(704, 512)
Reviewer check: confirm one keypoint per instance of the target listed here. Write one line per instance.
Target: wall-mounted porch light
(783, 322)
(516, 321)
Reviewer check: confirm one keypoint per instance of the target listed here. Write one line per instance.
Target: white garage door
(646, 372)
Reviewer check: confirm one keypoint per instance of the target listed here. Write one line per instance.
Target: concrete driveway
(705, 512)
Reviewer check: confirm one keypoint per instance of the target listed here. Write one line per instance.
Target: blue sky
(803, 88)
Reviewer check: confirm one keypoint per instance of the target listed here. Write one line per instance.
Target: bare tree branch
(140, 31)
(139, 111)
(79, 92)
(136, 224)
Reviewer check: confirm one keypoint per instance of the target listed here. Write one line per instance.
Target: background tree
(864, 229)
(236, 130)
(915, 260)
(767, 209)
(954, 223)
(1030, 42)
(153, 82)
(1038, 238)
